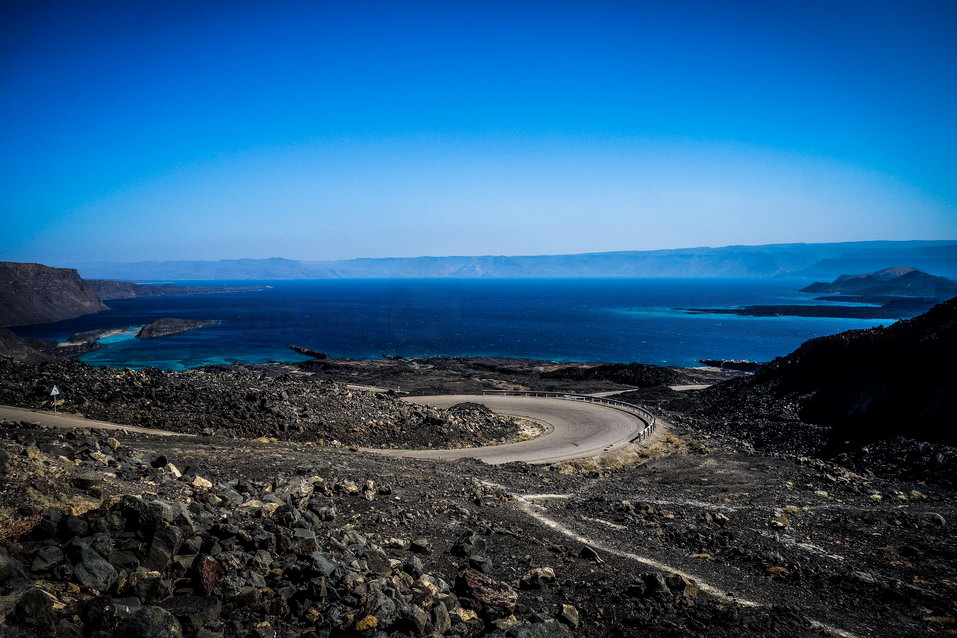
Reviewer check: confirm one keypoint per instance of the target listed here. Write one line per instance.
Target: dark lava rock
(637, 374)
(150, 622)
(90, 568)
(10, 568)
(34, 610)
(193, 612)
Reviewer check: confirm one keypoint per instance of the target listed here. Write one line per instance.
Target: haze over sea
(615, 320)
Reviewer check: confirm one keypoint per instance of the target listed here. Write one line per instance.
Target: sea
(613, 320)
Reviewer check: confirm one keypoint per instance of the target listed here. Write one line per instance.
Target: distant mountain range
(770, 260)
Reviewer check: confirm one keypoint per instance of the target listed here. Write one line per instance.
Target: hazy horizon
(323, 132)
(479, 255)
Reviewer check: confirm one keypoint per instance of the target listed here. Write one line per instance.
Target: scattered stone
(682, 586)
(367, 622)
(537, 578)
(421, 546)
(569, 616)
(202, 483)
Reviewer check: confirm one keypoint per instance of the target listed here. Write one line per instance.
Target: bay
(616, 320)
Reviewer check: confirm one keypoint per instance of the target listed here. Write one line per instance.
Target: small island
(892, 293)
(170, 326)
(896, 309)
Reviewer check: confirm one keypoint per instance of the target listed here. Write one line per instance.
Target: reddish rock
(209, 572)
(486, 590)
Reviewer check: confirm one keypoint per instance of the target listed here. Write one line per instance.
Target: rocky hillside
(851, 388)
(34, 293)
(250, 402)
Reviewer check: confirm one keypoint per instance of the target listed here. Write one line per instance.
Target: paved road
(61, 420)
(578, 429)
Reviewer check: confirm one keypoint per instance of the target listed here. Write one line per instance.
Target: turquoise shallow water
(570, 320)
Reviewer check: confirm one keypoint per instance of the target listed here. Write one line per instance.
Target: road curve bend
(577, 429)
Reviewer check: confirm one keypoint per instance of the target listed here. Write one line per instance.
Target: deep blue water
(571, 320)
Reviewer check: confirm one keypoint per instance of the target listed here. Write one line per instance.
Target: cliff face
(107, 289)
(34, 293)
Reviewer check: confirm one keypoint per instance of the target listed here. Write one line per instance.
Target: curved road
(66, 420)
(578, 429)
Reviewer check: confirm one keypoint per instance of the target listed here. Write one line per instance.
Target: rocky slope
(163, 537)
(34, 293)
(838, 393)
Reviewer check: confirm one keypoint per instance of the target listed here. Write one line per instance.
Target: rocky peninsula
(34, 293)
(170, 326)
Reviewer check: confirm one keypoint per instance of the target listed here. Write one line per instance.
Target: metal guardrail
(642, 413)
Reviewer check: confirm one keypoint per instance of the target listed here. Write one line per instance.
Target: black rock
(421, 546)
(150, 622)
(481, 563)
(34, 610)
(149, 587)
(43, 559)
(89, 566)
(166, 542)
(468, 545)
(193, 611)
(46, 528)
(10, 568)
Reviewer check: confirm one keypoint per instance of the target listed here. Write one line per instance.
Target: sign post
(55, 392)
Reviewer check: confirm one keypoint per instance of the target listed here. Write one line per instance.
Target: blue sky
(165, 130)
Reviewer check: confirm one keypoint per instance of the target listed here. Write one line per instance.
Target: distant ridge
(769, 260)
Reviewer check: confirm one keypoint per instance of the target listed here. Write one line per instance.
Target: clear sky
(204, 130)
